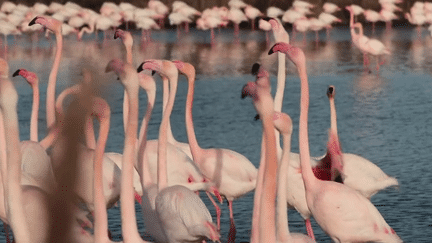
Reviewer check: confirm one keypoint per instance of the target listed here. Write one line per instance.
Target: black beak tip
(140, 68)
(267, 18)
(257, 117)
(271, 51)
(16, 73)
(153, 72)
(255, 68)
(33, 21)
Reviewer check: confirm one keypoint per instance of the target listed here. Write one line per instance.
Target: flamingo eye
(190, 179)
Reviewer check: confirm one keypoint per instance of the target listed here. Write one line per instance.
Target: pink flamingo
(342, 212)
(33, 80)
(193, 222)
(129, 79)
(218, 165)
(55, 26)
(27, 205)
(358, 172)
(283, 123)
(101, 111)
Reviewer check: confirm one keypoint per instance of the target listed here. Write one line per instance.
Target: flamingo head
(331, 91)
(50, 23)
(31, 77)
(249, 89)
(283, 123)
(259, 71)
(295, 54)
(115, 65)
(186, 69)
(125, 36)
(100, 109)
(153, 65)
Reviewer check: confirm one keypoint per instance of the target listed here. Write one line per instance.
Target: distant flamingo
(219, 165)
(55, 26)
(343, 213)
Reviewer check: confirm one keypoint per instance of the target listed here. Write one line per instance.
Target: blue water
(385, 117)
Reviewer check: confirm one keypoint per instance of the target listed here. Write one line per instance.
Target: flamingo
(101, 111)
(284, 125)
(232, 173)
(358, 172)
(55, 26)
(193, 222)
(27, 205)
(129, 80)
(342, 212)
(33, 80)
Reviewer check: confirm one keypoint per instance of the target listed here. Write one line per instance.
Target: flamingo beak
(138, 198)
(16, 73)
(33, 21)
(255, 68)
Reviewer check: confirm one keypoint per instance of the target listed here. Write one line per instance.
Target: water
(384, 117)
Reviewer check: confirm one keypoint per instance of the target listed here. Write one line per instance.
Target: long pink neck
(307, 174)
(3, 155)
(125, 97)
(163, 136)
(128, 218)
(13, 192)
(333, 116)
(142, 167)
(50, 111)
(193, 143)
(89, 133)
(257, 198)
(278, 100)
(283, 234)
(34, 115)
(267, 209)
(168, 94)
(101, 217)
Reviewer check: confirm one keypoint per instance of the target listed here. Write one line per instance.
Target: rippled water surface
(385, 117)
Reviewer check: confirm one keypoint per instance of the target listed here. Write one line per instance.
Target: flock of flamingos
(164, 175)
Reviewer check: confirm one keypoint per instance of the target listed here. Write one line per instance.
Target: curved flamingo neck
(128, 217)
(307, 174)
(50, 111)
(163, 134)
(142, 167)
(193, 143)
(100, 220)
(35, 113)
(3, 156)
(333, 116)
(278, 100)
(282, 227)
(267, 209)
(13, 192)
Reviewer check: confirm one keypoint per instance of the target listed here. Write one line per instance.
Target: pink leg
(253, 24)
(218, 210)
(378, 63)
(236, 30)
(309, 229)
(232, 231)
(267, 38)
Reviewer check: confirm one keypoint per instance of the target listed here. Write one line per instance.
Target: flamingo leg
(232, 231)
(212, 37)
(378, 63)
(309, 229)
(217, 208)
